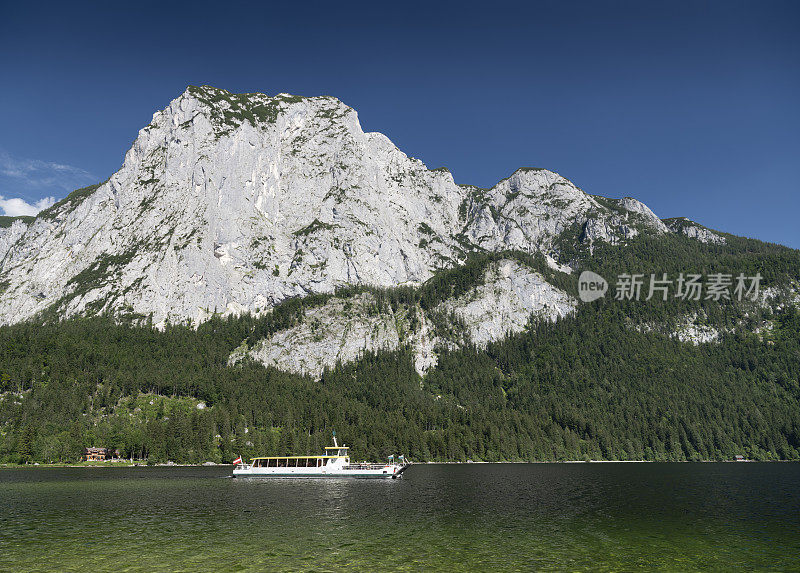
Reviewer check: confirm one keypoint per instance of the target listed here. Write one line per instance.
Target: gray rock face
(228, 203)
(503, 305)
(637, 208)
(344, 328)
(695, 231)
(625, 219)
(691, 328)
(339, 331)
(10, 235)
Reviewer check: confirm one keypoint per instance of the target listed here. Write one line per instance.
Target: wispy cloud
(37, 181)
(15, 206)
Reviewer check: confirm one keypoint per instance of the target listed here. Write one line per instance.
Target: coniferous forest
(593, 385)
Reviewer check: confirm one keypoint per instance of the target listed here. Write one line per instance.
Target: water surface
(515, 517)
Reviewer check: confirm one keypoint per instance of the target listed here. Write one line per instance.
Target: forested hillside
(594, 385)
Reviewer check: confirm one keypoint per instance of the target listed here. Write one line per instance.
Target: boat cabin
(289, 462)
(337, 451)
(332, 455)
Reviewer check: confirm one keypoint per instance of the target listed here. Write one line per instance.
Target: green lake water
(505, 517)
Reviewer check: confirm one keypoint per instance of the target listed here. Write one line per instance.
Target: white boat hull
(389, 471)
(334, 463)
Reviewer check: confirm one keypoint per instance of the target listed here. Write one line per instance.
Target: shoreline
(213, 464)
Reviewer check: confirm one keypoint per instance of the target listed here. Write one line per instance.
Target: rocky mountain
(323, 279)
(693, 230)
(340, 330)
(229, 203)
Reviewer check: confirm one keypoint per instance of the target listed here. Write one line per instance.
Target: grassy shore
(109, 464)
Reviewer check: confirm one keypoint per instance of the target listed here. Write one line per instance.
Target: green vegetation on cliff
(590, 386)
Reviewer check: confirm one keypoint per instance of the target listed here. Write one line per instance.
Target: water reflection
(499, 517)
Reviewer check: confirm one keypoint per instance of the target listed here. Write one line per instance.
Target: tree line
(589, 386)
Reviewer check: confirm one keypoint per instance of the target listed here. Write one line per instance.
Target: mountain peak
(235, 202)
(228, 111)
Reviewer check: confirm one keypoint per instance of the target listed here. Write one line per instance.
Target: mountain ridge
(410, 313)
(230, 203)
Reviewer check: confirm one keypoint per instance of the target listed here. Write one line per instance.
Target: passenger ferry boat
(334, 463)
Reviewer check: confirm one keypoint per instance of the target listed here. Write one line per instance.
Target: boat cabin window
(300, 462)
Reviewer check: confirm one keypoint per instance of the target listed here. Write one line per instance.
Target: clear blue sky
(693, 107)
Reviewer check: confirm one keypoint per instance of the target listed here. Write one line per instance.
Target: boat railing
(366, 466)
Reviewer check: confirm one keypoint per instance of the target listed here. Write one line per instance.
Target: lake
(503, 517)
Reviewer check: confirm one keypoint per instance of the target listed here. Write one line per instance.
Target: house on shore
(99, 454)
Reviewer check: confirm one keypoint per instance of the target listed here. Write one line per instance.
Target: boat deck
(364, 467)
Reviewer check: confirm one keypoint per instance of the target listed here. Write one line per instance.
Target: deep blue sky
(692, 108)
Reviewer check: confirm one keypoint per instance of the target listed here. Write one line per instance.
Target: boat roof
(336, 448)
(294, 457)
